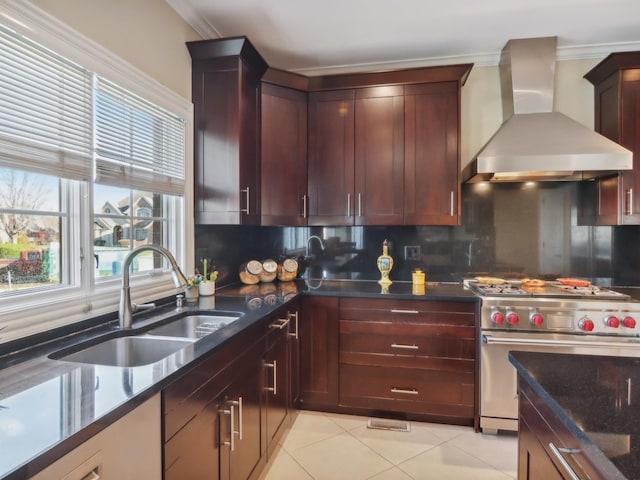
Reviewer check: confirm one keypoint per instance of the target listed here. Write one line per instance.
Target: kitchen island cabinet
(226, 77)
(615, 200)
(577, 418)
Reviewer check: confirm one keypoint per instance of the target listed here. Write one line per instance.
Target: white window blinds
(137, 143)
(45, 110)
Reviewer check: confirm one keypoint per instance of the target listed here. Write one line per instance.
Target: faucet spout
(312, 237)
(127, 309)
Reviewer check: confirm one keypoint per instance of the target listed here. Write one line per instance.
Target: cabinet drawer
(407, 340)
(429, 392)
(408, 311)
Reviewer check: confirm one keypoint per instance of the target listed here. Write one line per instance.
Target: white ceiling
(326, 36)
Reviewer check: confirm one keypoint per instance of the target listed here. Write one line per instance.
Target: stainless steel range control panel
(590, 317)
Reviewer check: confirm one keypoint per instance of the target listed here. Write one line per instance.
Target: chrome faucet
(127, 309)
(309, 241)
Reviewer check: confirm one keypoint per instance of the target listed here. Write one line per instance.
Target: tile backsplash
(509, 229)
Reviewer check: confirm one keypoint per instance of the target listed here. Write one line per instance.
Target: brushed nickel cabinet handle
(405, 347)
(238, 403)
(407, 312)
(451, 202)
(557, 452)
(348, 204)
(359, 204)
(304, 206)
(628, 200)
(273, 389)
(231, 443)
(407, 391)
(294, 315)
(246, 192)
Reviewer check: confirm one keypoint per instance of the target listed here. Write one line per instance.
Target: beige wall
(482, 111)
(149, 34)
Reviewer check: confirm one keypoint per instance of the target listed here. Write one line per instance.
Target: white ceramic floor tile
(284, 467)
(499, 451)
(347, 422)
(309, 427)
(398, 446)
(447, 462)
(391, 474)
(447, 432)
(340, 457)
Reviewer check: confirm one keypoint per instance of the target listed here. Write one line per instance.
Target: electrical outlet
(412, 252)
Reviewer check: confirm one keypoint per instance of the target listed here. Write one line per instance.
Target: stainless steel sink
(132, 351)
(195, 326)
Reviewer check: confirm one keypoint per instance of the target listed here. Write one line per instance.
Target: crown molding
(194, 19)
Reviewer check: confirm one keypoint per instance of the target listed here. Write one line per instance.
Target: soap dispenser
(385, 264)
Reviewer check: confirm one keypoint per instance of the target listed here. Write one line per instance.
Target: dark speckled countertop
(596, 398)
(37, 422)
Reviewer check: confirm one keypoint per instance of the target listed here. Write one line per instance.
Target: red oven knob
(512, 318)
(536, 319)
(497, 318)
(612, 321)
(585, 324)
(629, 322)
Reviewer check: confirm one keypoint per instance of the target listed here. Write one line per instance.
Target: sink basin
(194, 326)
(126, 351)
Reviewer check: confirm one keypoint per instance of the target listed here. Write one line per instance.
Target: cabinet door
(284, 156)
(533, 461)
(319, 335)
(331, 158)
(276, 380)
(379, 156)
(432, 161)
(244, 396)
(630, 138)
(226, 102)
(193, 452)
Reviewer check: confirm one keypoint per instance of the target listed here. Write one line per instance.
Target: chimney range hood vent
(535, 143)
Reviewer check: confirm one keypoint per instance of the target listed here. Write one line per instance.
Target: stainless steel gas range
(554, 318)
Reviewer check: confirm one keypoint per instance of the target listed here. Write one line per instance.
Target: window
(89, 170)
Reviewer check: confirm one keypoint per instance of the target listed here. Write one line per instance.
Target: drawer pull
(407, 312)
(408, 391)
(404, 347)
(281, 323)
(557, 452)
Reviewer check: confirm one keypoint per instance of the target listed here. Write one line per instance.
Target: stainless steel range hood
(534, 142)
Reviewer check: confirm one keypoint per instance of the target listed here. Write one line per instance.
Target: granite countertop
(596, 398)
(38, 423)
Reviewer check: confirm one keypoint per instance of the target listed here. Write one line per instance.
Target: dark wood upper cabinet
(387, 154)
(331, 157)
(226, 77)
(276, 148)
(616, 200)
(379, 156)
(284, 156)
(432, 154)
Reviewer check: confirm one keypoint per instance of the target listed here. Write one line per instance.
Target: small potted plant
(192, 289)
(208, 284)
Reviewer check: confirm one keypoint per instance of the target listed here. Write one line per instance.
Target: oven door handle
(489, 340)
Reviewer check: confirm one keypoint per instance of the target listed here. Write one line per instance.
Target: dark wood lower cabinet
(319, 332)
(547, 450)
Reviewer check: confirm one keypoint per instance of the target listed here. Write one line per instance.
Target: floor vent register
(391, 425)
